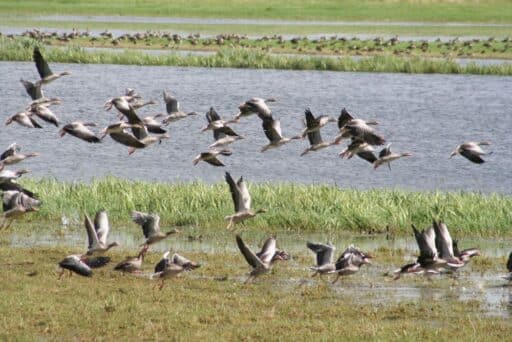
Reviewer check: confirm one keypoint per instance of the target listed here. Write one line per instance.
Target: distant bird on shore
(472, 151)
(169, 267)
(242, 201)
(43, 68)
(79, 129)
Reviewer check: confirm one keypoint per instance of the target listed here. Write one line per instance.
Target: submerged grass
(205, 304)
(292, 207)
(21, 50)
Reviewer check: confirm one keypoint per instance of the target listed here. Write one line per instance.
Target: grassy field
(291, 207)
(213, 303)
(21, 50)
(492, 11)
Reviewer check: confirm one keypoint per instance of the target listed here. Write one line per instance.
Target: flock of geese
(438, 252)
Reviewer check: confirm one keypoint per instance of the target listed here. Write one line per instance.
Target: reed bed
(292, 207)
(21, 50)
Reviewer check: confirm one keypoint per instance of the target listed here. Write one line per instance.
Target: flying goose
(172, 267)
(360, 148)
(428, 262)
(257, 106)
(150, 224)
(242, 201)
(97, 234)
(123, 106)
(117, 133)
(386, 157)
(16, 204)
(272, 129)
(172, 107)
(472, 151)
(7, 176)
(211, 157)
(262, 262)
(33, 89)
(152, 125)
(324, 254)
(23, 118)
(132, 264)
(314, 136)
(43, 68)
(314, 124)
(12, 156)
(216, 123)
(349, 262)
(466, 254)
(358, 128)
(42, 111)
(79, 129)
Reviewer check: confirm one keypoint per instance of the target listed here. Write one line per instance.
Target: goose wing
(367, 155)
(443, 240)
(249, 255)
(426, 242)
(314, 137)
(101, 226)
(171, 103)
(311, 121)
(92, 237)
(42, 66)
(214, 161)
(212, 115)
(509, 263)
(11, 150)
(472, 156)
(163, 263)
(183, 262)
(268, 250)
(244, 192)
(139, 131)
(150, 223)
(74, 264)
(33, 90)
(272, 129)
(386, 151)
(324, 252)
(236, 194)
(345, 259)
(344, 118)
(127, 139)
(81, 132)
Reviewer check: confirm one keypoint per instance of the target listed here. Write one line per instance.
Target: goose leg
(337, 278)
(61, 273)
(389, 166)
(161, 285)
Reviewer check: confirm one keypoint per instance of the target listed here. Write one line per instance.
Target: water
(425, 114)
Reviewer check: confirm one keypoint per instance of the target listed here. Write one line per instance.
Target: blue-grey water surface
(425, 114)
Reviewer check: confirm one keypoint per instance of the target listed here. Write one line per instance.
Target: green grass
(291, 207)
(21, 50)
(198, 306)
(495, 11)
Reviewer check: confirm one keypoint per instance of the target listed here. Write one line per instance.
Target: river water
(427, 115)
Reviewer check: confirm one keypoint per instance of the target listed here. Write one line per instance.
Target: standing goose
(172, 267)
(314, 136)
(350, 261)
(150, 224)
(79, 129)
(257, 106)
(260, 264)
(16, 204)
(357, 128)
(132, 264)
(324, 254)
(24, 119)
(43, 68)
(472, 151)
(272, 129)
(211, 157)
(386, 157)
(242, 201)
(314, 124)
(172, 107)
(97, 234)
(428, 262)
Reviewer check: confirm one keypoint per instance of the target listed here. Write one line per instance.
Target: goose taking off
(324, 258)
(16, 204)
(242, 201)
(472, 151)
(132, 264)
(150, 224)
(211, 157)
(79, 129)
(314, 124)
(261, 262)
(272, 129)
(172, 267)
(24, 119)
(357, 128)
(314, 136)
(255, 105)
(43, 68)
(97, 234)
(428, 262)
(12, 156)
(81, 264)
(386, 157)
(349, 262)
(172, 107)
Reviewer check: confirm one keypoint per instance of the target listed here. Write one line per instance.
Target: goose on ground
(242, 201)
(262, 262)
(472, 151)
(359, 148)
(211, 157)
(79, 129)
(172, 107)
(16, 204)
(150, 224)
(24, 119)
(314, 124)
(350, 127)
(428, 262)
(132, 264)
(386, 157)
(324, 258)
(169, 267)
(43, 68)
(272, 129)
(315, 138)
(349, 262)
(97, 234)
(33, 89)
(257, 106)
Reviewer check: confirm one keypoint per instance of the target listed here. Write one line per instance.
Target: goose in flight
(257, 106)
(117, 133)
(123, 106)
(211, 157)
(216, 123)
(132, 264)
(357, 128)
(16, 204)
(172, 107)
(42, 111)
(472, 151)
(359, 148)
(12, 156)
(314, 124)
(242, 201)
(43, 68)
(23, 118)
(97, 234)
(324, 258)
(169, 267)
(261, 262)
(314, 136)
(79, 129)
(7, 176)
(150, 224)
(33, 89)
(349, 262)
(429, 261)
(386, 157)
(272, 129)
